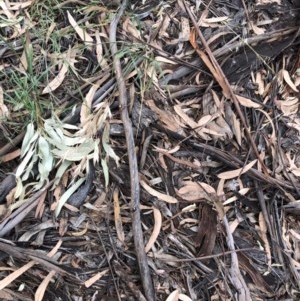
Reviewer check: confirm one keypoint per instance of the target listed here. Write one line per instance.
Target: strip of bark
(134, 177)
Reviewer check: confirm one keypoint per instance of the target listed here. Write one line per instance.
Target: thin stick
(135, 189)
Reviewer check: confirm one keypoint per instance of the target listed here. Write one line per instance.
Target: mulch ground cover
(150, 150)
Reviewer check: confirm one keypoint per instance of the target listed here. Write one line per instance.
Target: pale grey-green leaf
(61, 170)
(64, 198)
(105, 171)
(28, 135)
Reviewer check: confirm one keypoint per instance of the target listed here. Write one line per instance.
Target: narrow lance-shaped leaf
(64, 198)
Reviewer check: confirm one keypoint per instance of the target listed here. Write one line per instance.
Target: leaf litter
(215, 115)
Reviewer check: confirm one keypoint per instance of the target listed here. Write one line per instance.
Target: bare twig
(135, 190)
(243, 293)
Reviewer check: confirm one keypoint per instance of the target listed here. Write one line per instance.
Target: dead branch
(135, 190)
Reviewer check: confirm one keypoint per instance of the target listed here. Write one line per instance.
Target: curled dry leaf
(237, 172)
(84, 36)
(263, 235)
(87, 104)
(246, 102)
(183, 297)
(95, 278)
(289, 106)
(234, 198)
(160, 196)
(117, 215)
(166, 117)
(68, 60)
(156, 229)
(39, 294)
(289, 81)
(11, 277)
(173, 296)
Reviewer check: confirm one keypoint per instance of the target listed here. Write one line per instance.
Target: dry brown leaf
(95, 8)
(19, 5)
(156, 229)
(177, 160)
(260, 83)
(185, 30)
(99, 51)
(160, 196)
(164, 60)
(39, 294)
(84, 36)
(289, 106)
(86, 107)
(263, 231)
(166, 117)
(11, 277)
(49, 31)
(191, 123)
(257, 30)
(82, 232)
(57, 81)
(246, 102)
(55, 249)
(204, 120)
(41, 205)
(216, 20)
(6, 11)
(95, 278)
(237, 172)
(117, 216)
(262, 2)
(194, 191)
(234, 198)
(173, 296)
(11, 156)
(233, 122)
(289, 81)
(218, 77)
(6, 296)
(183, 297)
(213, 22)
(163, 25)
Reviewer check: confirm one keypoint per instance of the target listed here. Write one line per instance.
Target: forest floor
(149, 150)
